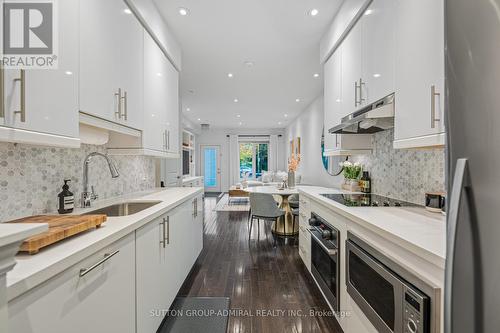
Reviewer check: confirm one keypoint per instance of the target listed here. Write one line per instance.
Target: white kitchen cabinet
(50, 98)
(340, 144)
(111, 62)
(172, 99)
(379, 44)
(101, 301)
(419, 120)
(161, 102)
(352, 71)
(166, 250)
(155, 291)
(332, 73)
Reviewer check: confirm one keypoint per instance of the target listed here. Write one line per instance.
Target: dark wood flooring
(256, 276)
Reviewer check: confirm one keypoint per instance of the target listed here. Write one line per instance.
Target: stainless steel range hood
(373, 118)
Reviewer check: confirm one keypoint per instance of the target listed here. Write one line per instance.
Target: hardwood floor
(256, 277)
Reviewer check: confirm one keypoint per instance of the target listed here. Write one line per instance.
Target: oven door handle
(331, 252)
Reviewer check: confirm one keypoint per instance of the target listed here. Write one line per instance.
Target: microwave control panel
(414, 310)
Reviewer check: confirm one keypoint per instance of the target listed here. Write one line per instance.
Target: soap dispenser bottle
(66, 199)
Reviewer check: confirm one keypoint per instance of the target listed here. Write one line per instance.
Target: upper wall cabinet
(379, 44)
(340, 144)
(368, 57)
(419, 118)
(111, 62)
(160, 135)
(40, 106)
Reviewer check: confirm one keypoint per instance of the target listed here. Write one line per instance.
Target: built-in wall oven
(382, 290)
(325, 254)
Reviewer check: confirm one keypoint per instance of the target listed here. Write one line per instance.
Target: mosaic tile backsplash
(401, 173)
(31, 177)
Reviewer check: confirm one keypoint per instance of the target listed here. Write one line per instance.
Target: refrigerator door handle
(460, 181)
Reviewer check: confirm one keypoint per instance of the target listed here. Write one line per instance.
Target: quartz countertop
(414, 228)
(11, 233)
(32, 270)
(191, 178)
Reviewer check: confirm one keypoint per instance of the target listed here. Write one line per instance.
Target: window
(254, 159)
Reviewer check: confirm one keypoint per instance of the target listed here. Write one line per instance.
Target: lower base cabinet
(167, 248)
(126, 287)
(103, 300)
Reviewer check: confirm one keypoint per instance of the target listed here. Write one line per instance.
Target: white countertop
(414, 228)
(271, 190)
(32, 270)
(11, 233)
(190, 179)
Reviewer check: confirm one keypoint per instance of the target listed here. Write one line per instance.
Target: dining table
(284, 193)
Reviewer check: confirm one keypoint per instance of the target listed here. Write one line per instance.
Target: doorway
(210, 168)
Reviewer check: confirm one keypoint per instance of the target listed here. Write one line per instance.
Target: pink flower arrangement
(293, 163)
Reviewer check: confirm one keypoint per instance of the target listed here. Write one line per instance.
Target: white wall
(218, 137)
(309, 127)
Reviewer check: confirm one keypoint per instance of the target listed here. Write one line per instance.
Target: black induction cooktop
(367, 200)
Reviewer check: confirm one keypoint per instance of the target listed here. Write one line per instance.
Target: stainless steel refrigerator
(472, 287)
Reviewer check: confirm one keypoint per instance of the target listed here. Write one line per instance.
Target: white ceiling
(278, 36)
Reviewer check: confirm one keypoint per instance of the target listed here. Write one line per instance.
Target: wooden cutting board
(60, 227)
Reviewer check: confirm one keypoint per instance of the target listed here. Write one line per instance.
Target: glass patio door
(254, 159)
(210, 162)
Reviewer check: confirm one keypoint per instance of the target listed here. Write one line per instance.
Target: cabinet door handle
(118, 111)
(336, 140)
(168, 139)
(2, 93)
(434, 93)
(124, 104)
(168, 229)
(22, 80)
(355, 94)
(162, 241)
(107, 256)
(361, 84)
(165, 140)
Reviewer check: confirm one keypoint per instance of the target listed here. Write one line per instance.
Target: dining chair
(263, 206)
(293, 201)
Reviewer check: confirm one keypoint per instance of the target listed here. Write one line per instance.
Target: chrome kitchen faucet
(88, 197)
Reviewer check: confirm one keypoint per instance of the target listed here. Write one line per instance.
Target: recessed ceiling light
(240, 123)
(286, 115)
(183, 11)
(238, 116)
(236, 100)
(377, 75)
(68, 73)
(279, 122)
(297, 100)
(127, 11)
(313, 12)
(338, 100)
(199, 119)
(316, 74)
(229, 74)
(188, 109)
(158, 74)
(368, 11)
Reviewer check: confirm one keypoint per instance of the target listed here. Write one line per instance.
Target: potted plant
(293, 164)
(352, 172)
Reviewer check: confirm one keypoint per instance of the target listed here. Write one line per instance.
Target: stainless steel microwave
(387, 294)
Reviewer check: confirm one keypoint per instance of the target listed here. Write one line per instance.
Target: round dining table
(277, 227)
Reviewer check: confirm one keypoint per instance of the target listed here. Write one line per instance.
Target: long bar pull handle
(118, 111)
(22, 80)
(361, 98)
(162, 242)
(460, 182)
(2, 93)
(165, 140)
(124, 105)
(168, 139)
(168, 229)
(356, 94)
(434, 93)
(107, 256)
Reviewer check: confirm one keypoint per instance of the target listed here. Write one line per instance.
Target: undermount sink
(124, 208)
